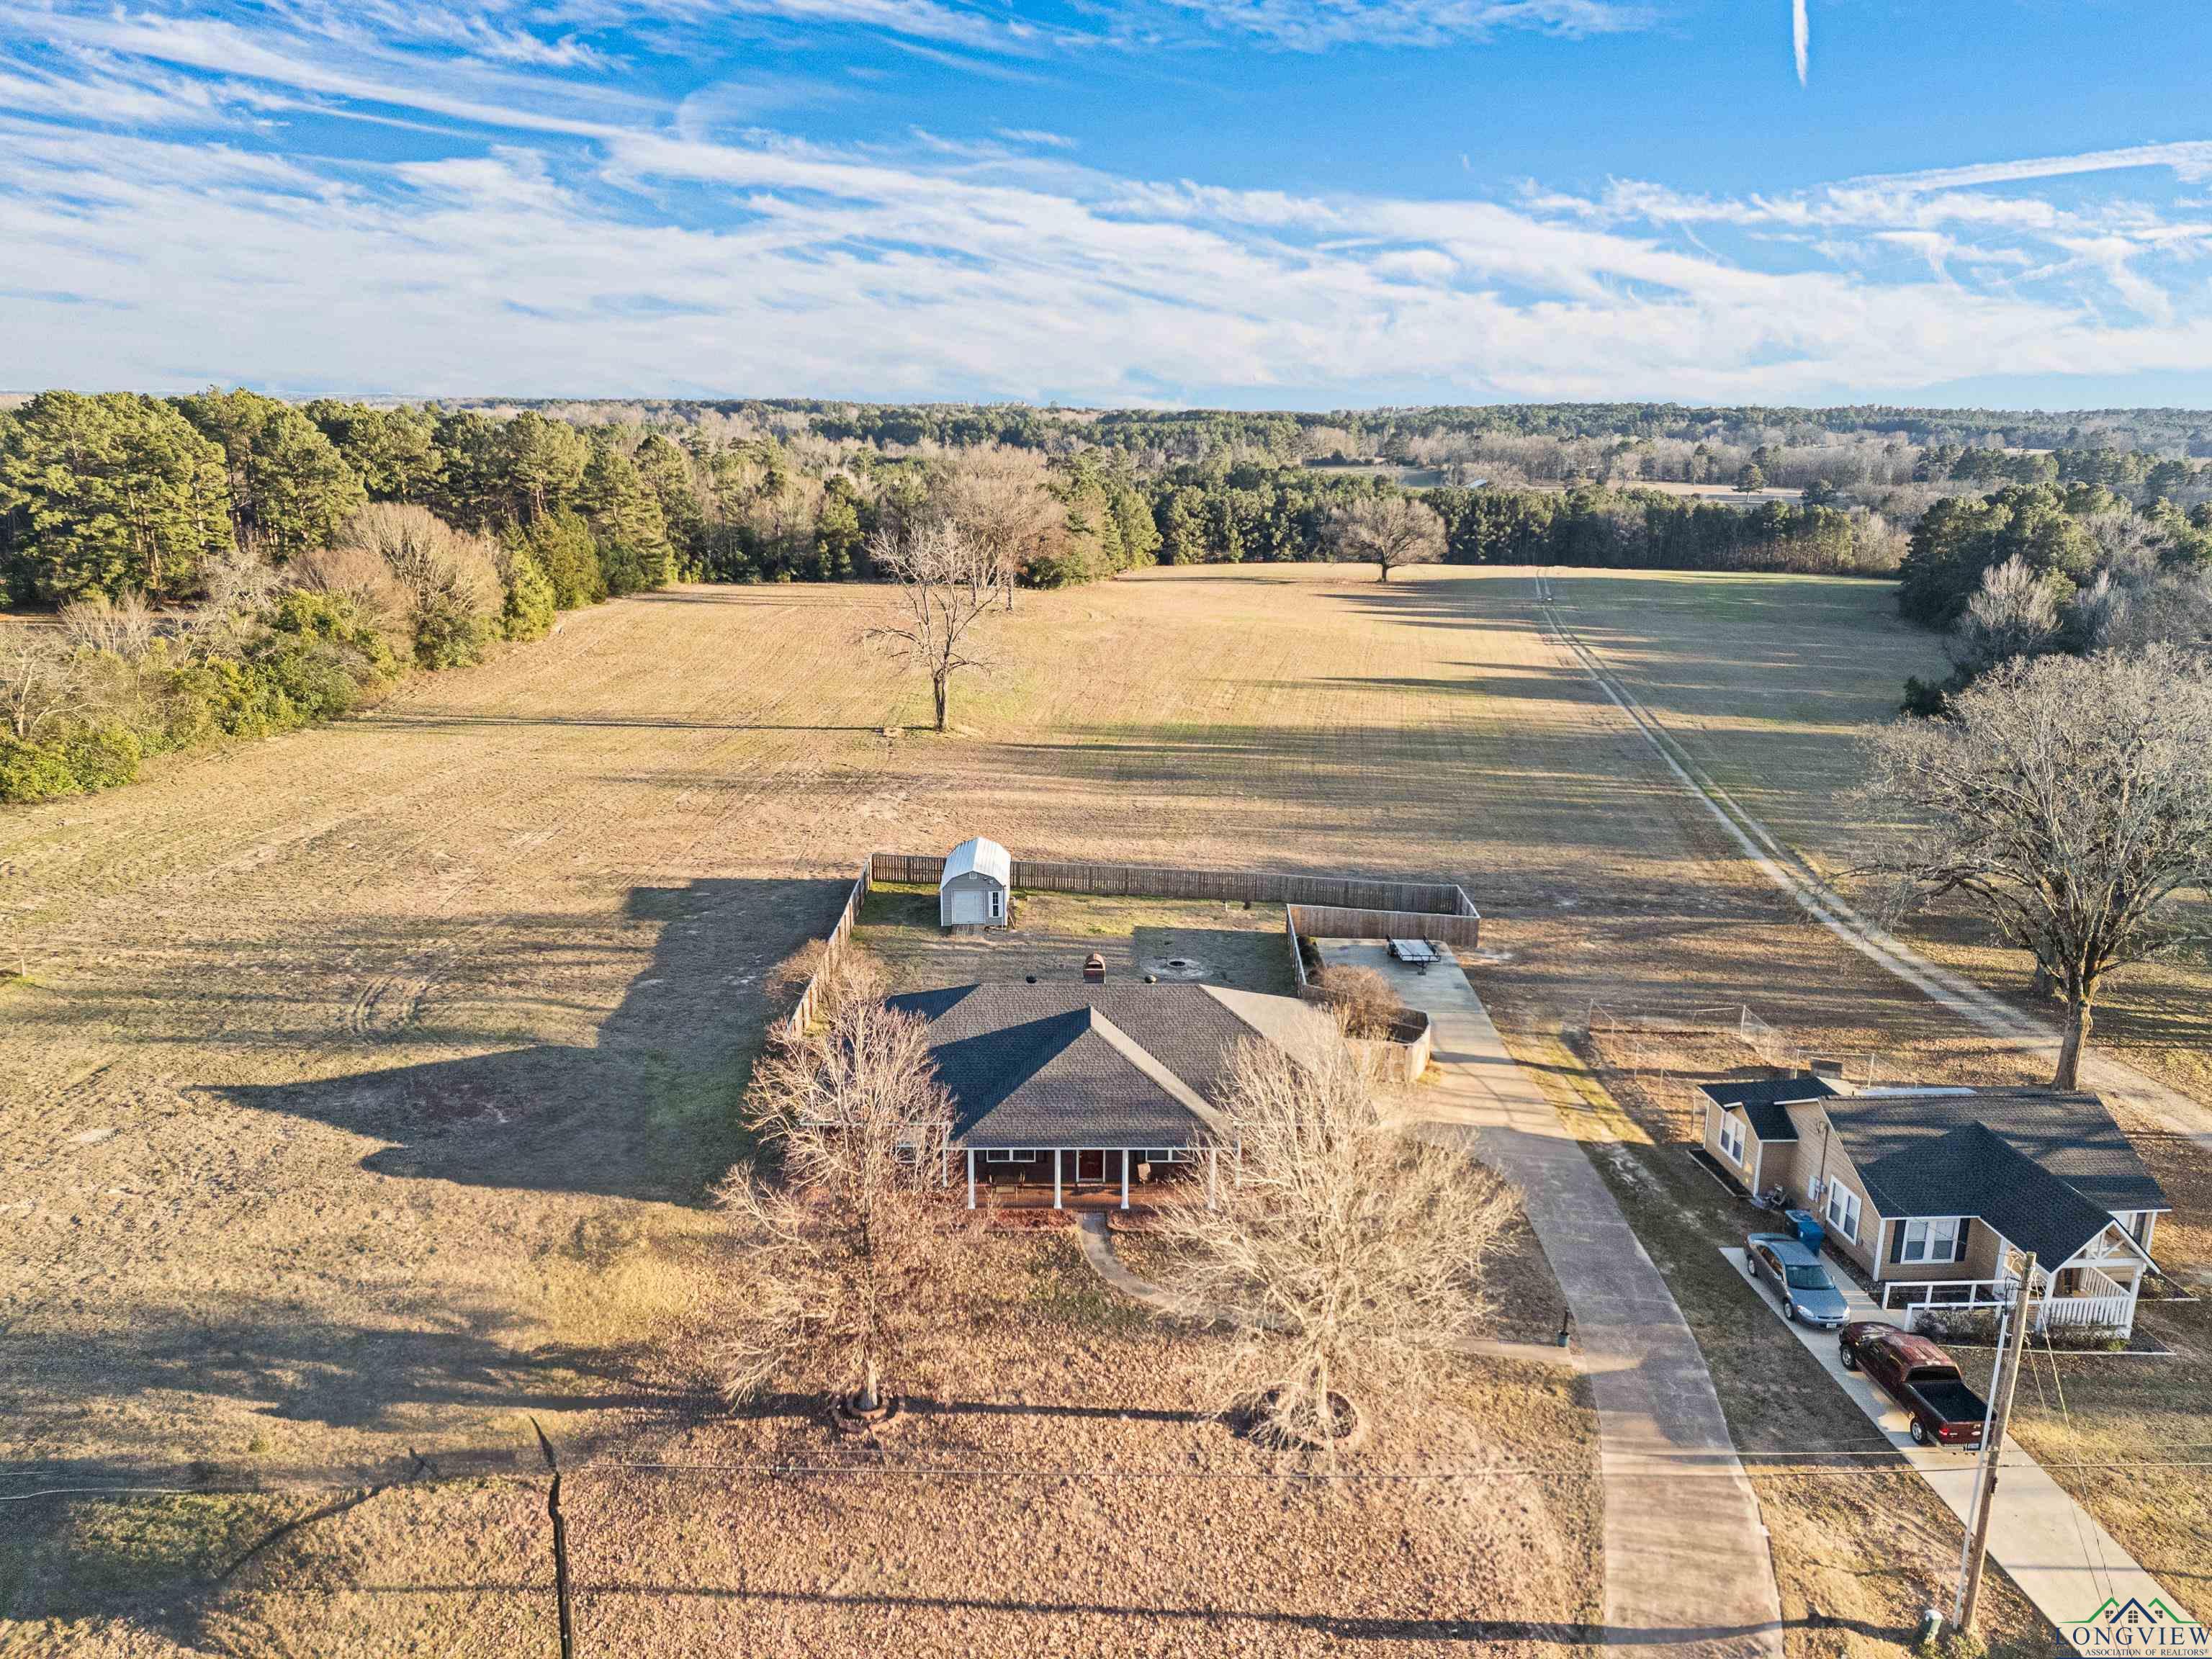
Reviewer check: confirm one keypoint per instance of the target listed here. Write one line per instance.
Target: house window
(1843, 1209)
(998, 905)
(1164, 1155)
(1930, 1240)
(1022, 1155)
(1732, 1138)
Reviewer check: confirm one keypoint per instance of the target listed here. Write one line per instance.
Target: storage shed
(977, 887)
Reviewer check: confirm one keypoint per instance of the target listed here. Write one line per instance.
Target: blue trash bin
(1807, 1226)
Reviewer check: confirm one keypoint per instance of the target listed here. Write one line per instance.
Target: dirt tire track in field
(2173, 1111)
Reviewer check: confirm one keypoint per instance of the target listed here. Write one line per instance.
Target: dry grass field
(1764, 680)
(362, 1084)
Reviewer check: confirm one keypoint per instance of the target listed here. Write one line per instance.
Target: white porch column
(947, 1181)
(971, 1177)
(1212, 1176)
(2134, 1289)
(1124, 1177)
(1055, 1178)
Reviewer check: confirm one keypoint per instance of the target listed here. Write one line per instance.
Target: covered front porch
(1077, 1177)
(2079, 1296)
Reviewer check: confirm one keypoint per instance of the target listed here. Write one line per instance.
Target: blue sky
(1248, 203)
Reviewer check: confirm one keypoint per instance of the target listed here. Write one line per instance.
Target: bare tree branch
(946, 582)
(837, 1248)
(2071, 798)
(1349, 1253)
(1389, 529)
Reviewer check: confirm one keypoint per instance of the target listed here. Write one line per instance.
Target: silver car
(1808, 1296)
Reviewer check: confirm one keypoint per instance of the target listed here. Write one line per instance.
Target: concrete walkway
(2060, 1559)
(1098, 1251)
(1686, 1564)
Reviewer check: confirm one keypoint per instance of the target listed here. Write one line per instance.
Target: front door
(1090, 1166)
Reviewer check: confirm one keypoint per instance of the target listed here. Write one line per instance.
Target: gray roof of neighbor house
(979, 857)
(2045, 1168)
(1079, 1064)
(1763, 1099)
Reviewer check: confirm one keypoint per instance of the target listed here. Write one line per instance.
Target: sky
(1247, 204)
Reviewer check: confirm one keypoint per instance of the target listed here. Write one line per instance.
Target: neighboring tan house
(977, 887)
(1938, 1194)
(1088, 1094)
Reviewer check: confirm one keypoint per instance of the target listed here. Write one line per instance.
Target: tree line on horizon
(239, 555)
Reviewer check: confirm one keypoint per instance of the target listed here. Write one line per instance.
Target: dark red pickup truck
(1920, 1376)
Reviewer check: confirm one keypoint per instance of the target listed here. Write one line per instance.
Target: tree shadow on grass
(651, 1111)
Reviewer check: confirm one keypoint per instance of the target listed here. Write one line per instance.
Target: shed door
(967, 906)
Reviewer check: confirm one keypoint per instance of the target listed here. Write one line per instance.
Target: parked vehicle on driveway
(1920, 1376)
(1808, 1295)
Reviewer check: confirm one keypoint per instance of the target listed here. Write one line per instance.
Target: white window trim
(1732, 1138)
(1927, 1225)
(1843, 1209)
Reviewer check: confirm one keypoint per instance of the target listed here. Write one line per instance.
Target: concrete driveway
(1664, 1451)
(2060, 1559)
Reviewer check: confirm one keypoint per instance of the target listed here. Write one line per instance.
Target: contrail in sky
(1801, 35)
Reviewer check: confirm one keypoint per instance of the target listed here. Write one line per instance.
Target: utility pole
(2003, 1382)
(560, 1547)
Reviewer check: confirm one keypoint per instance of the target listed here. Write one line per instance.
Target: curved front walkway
(1686, 1564)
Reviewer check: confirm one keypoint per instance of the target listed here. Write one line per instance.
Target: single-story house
(1939, 1194)
(1088, 1093)
(976, 888)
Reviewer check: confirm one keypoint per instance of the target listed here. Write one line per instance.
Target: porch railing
(2105, 1304)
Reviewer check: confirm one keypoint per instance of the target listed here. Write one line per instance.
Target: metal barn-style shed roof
(980, 856)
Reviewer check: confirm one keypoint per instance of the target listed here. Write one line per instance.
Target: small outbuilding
(977, 888)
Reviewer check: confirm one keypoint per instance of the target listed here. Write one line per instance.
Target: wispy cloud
(1801, 38)
(1316, 25)
(2190, 161)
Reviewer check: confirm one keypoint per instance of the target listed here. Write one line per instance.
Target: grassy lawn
(1055, 1484)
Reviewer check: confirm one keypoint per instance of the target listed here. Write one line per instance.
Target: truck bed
(1950, 1401)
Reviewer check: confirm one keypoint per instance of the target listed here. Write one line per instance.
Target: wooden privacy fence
(802, 1013)
(1345, 922)
(1419, 909)
(1326, 907)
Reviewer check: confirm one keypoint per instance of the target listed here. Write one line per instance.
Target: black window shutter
(1959, 1247)
(1897, 1239)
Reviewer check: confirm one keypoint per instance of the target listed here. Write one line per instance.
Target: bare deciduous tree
(2071, 799)
(1348, 1253)
(1001, 500)
(2014, 613)
(39, 682)
(125, 627)
(946, 584)
(1389, 529)
(837, 1248)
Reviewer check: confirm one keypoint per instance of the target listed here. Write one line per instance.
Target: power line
(925, 1472)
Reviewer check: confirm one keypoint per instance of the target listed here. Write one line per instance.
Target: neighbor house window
(1732, 1137)
(1844, 1211)
(1930, 1240)
(1018, 1156)
(1163, 1155)
(997, 904)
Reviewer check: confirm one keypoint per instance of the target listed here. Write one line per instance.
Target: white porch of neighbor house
(1078, 1177)
(2078, 1296)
